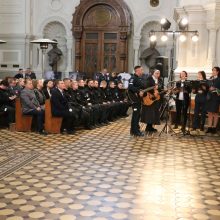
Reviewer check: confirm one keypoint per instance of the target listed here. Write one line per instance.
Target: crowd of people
(97, 102)
(207, 100)
(91, 103)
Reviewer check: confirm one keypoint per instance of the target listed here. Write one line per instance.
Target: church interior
(109, 109)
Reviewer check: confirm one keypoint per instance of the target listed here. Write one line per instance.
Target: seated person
(47, 87)
(31, 106)
(38, 90)
(7, 102)
(83, 115)
(60, 107)
(19, 86)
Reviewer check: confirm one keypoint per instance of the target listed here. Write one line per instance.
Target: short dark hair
(4, 83)
(65, 79)
(89, 80)
(136, 67)
(27, 80)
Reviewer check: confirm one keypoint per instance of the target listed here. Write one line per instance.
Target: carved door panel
(100, 51)
(91, 58)
(110, 56)
(100, 29)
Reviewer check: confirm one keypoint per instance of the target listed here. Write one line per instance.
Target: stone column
(212, 47)
(136, 45)
(69, 45)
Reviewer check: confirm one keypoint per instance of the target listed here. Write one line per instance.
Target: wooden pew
(22, 122)
(52, 124)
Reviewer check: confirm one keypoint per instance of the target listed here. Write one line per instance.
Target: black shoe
(89, 127)
(70, 132)
(175, 127)
(213, 130)
(154, 129)
(202, 128)
(138, 134)
(183, 129)
(209, 130)
(43, 132)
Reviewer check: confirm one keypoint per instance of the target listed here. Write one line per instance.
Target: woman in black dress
(201, 90)
(213, 100)
(150, 114)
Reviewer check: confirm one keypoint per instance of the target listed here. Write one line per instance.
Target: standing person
(20, 74)
(213, 100)
(182, 100)
(200, 101)
(150, 113)
(29, 74)
(134, 90)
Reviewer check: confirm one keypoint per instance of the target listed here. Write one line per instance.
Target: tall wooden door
(100, 29)
(100, 51)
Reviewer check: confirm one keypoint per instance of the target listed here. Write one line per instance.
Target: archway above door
(101, 29)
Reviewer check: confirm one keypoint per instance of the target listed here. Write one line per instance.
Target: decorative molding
(5, 56)
(56, 5)
(55, 19)
(86, 5)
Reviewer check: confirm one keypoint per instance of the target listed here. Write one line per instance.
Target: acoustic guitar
(132, 97)
(150, 98)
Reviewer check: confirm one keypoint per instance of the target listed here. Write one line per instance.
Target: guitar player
(136, 84)
(150, 113)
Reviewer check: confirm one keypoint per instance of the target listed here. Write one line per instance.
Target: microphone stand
(167, 127)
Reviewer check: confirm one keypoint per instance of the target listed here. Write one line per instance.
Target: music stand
(167, 127)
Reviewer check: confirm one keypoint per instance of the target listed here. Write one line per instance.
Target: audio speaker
(162, 65)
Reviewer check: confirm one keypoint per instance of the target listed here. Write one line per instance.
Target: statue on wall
(54, 56)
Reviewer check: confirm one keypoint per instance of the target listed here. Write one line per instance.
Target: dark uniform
(182, 105)
(7, 106)
(201, 90)
(122, 99)
(135, 86)
(82, 114)
(86, 102)
(213, 99)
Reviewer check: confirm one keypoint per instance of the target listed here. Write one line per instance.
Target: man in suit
(29, 74)
(20, 74)
(60, 107)
(31, 106)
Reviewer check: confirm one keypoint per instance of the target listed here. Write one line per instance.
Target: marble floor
(105, 174)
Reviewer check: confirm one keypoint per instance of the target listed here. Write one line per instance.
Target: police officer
(80, 110)
(85, 100)
(136, 84)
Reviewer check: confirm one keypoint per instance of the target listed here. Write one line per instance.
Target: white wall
(24, 20)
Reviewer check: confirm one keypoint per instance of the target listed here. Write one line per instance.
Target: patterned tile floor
(105, 174)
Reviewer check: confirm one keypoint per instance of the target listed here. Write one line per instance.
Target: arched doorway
(101, 29)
